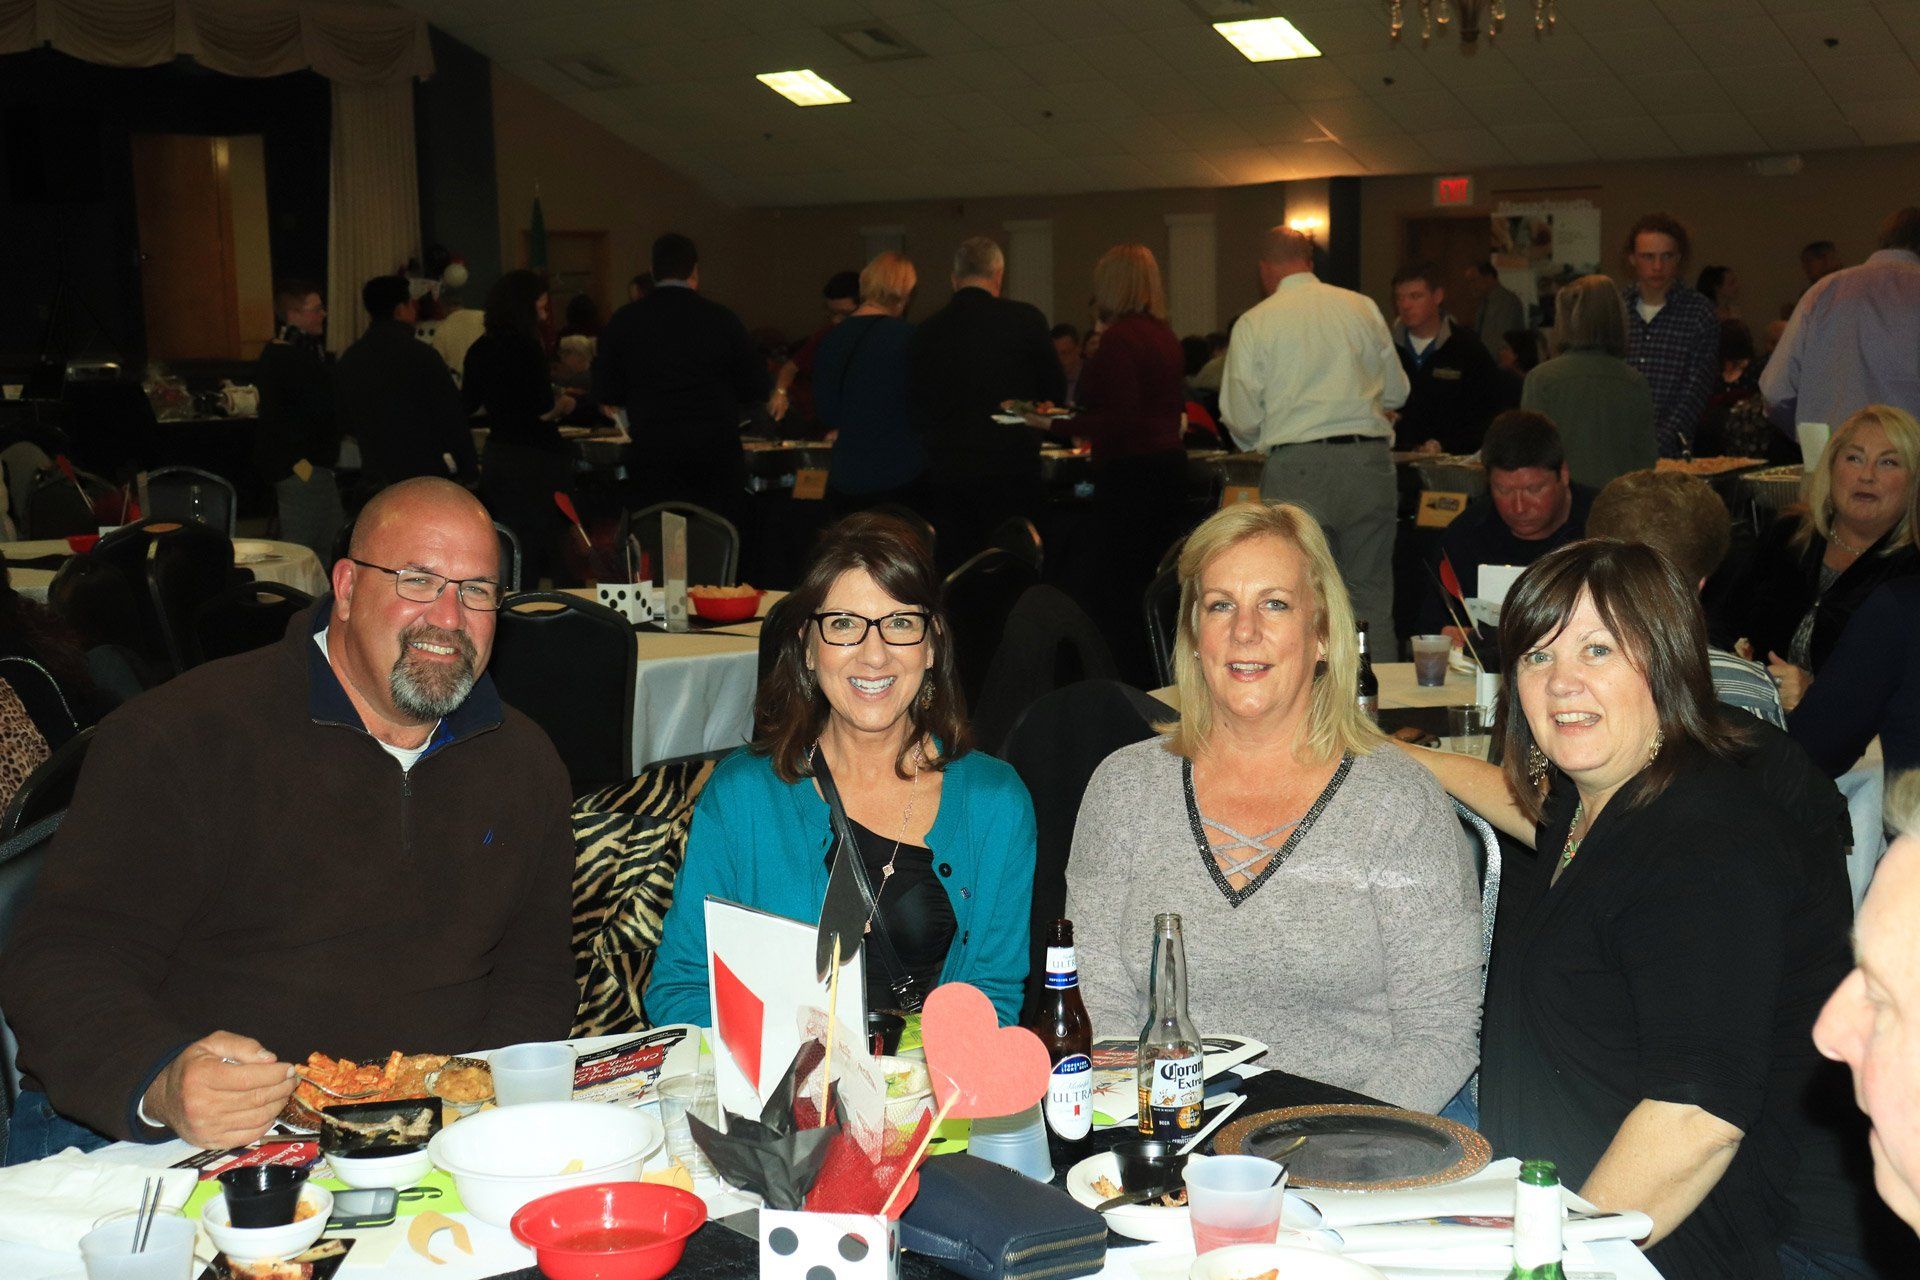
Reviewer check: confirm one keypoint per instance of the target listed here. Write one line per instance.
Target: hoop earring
(1537, 764)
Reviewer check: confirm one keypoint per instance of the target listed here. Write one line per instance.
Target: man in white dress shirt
(1310, 374)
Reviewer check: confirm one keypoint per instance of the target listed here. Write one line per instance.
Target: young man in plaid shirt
(1673, 331)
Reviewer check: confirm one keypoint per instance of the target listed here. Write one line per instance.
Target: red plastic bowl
(725, 608)
(610, 1231)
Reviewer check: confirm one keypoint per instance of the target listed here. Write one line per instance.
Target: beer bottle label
(1171, 1096)
(1062, 968)
(1070, 1097)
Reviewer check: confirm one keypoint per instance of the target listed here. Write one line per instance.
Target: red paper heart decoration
(988, 1070)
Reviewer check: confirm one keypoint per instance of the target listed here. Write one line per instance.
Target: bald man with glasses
(341, 843)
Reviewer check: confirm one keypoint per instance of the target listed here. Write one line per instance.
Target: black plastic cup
(262, 1195)
(883, 1032)
(1148, 1164)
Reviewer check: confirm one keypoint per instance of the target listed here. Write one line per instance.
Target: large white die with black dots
(828, 1246)
(634, 600)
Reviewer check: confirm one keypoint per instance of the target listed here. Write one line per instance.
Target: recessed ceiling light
(1267, 39)
(802, 88)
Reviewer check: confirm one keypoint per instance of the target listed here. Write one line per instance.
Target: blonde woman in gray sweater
(1329, 898)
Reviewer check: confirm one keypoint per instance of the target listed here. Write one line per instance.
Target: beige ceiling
(1022, 96)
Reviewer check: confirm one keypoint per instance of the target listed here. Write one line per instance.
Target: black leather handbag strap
(899, 981)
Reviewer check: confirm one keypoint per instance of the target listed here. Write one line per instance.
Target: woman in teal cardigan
(864, 691)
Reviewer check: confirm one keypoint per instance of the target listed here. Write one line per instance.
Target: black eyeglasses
(482, 595)
(908, 627)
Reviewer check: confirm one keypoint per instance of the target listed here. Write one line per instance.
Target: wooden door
(187, 271)
(1454, 243)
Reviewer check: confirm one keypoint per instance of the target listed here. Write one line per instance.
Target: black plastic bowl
(1148, 1164)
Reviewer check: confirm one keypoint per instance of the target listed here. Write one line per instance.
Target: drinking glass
(108, 1252)
(680, 1097)
(1234, 1200)
(532, 1073)
(1469, 731)
(1430, 654)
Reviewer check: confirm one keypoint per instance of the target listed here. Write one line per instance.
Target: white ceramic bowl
(1293, 1262)
(399, 1172)
(264, 1244)
(504, 1158)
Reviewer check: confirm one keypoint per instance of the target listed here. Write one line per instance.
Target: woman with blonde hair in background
(1131, 399)
(1816, 565)
(860, 392)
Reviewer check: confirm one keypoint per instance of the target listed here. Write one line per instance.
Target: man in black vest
(394, 395)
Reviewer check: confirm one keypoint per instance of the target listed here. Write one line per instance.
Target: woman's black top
(1784, 582)
(914, 908)
(1682, 957)
(506, 374)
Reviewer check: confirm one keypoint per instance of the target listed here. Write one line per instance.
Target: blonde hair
(1904, 434)
(1902, 811)
(1335, 723)
(888, 280)
(1589, 313)
(1127, 278)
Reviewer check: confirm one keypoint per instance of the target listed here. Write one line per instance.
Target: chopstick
(143, 1219)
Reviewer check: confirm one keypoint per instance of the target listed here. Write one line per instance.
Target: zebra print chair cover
(629, 841)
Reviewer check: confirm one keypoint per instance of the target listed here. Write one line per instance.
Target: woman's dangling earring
(925, 698)
(1659, 741)
(1536, 764)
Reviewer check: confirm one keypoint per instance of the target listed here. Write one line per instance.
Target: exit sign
(1454, 190)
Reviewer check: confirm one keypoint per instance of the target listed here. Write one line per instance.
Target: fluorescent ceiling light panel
(802, 88)
(1266, 39)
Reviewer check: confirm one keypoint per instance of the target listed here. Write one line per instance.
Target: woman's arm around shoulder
(1426, 900)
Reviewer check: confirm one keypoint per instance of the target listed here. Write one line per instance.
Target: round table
(286, 563)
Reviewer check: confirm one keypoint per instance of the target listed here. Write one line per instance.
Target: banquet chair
(21, 856)
(56, 509)
(979, 597)
(1162, 605)
(713, 543)
(187, 565)
(1055, 746)
(188, 493)
(1021, 537)
(629, 842)
(569, 665)
(48, 789)
(99, 602)
(1486, 854)
(1049, 642)
(243, 617)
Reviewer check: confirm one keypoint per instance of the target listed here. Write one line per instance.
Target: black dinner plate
(1359, 1148)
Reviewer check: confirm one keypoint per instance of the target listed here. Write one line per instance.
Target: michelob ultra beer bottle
(1062, 1024)
(1172, 1068)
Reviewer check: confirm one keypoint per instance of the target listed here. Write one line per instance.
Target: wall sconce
(1307, 224)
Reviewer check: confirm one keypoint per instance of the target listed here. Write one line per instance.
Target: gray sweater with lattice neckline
(1357, 960)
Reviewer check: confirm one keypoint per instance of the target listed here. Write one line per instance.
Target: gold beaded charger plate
(1351, 1147)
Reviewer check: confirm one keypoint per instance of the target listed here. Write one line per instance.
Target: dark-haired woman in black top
(526, 461)
(1656, 973)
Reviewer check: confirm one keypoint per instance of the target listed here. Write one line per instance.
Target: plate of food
(402, 1075)
(1012, 411)
(1350, 1147)
(1707, 466)
(1096, 1180)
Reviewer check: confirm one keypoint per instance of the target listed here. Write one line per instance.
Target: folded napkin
(1473, 1212)
(51, 1203)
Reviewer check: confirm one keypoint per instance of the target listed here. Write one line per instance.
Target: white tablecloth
(287, 563)
(693, 692)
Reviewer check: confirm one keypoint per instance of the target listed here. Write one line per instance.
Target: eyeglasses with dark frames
(907, 627)
(483, 595)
